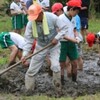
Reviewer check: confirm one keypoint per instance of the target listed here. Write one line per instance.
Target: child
(93, 38)
(79, 46)
(14, 42)
(44, 3)
(77, 33)
(17, 11)
(57, 9)
(84, 16)
(67, 47)
(25, 19)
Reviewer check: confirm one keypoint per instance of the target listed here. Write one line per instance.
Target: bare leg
(14, 51)
(50, 72)
(74, 70)
(19, 54)
(62, 64)
(84, 33)
(68, 68)
(17, 31)
(80, 63)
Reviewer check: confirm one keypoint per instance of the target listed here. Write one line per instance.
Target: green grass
(5, 23)
(94, 25)
(12, 97)
(4, 57)
(1, 2)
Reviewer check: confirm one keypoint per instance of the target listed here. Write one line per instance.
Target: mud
(88, 80)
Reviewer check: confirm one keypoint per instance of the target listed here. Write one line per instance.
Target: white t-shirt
(65, 9)
(70, 25)
(17, 39)
(44, 3)
(16, 6)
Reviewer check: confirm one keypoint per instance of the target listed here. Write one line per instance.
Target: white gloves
(78, 39)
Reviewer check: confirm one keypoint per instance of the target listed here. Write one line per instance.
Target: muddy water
(88, 80)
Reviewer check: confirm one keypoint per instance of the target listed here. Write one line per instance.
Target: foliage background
(93, 10)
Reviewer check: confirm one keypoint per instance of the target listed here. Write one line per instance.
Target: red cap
(90, 39)
(74, 3)
(56, 7)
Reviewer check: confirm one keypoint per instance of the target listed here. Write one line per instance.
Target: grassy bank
(12, 97)
(94, 25)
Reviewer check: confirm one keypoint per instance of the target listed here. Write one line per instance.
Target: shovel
(9, 68)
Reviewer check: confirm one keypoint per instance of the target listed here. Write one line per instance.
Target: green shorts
(68, 49)
(25, 20)
(5, 40)
(17, 21)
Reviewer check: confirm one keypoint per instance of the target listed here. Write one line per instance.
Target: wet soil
(88, 80)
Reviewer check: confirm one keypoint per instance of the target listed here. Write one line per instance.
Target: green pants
(68, 49)
(17, 21)
(5, 40)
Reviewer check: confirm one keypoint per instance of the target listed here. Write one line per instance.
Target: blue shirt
(29, 3)
(78, 23)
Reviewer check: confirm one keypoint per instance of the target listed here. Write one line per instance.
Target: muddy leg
(68, 68)
(57, 82)
(29, 84)
(98, 62)
(74, 70)
(80, 63)
(14, 51)
(50, 72)
(62, 64)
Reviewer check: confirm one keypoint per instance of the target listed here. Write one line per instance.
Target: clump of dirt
(88, 80)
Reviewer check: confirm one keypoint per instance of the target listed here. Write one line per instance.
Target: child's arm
(71, 39)
(75, 33)
(13, 13)
(24, 8)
